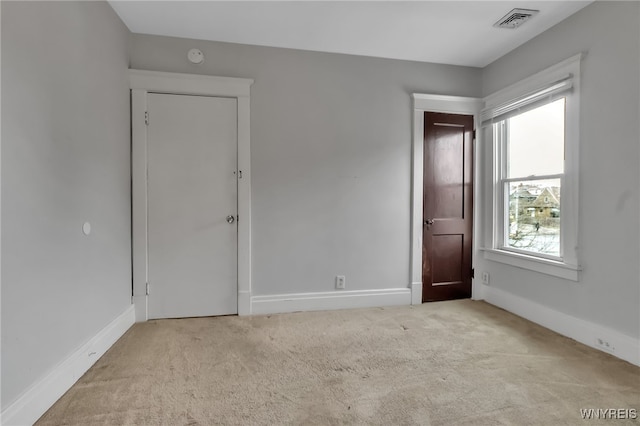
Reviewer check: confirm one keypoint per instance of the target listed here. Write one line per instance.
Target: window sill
(532, 263)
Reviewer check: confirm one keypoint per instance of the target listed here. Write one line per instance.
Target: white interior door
(192, 199)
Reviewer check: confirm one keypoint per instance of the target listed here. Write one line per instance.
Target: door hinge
(146, 118)
(473, 272)
(147, 289)
(474, 134)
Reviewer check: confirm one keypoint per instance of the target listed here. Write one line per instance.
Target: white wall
(65, 160)
(330, 157)
(608, 293)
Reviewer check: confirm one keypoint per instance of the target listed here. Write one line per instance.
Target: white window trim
(568, 267)
(141, 83)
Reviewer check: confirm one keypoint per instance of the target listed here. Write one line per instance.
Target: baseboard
(586, 332)
(36, 400)
(332, 300)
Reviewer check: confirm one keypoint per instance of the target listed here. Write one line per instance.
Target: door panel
(447, 255)
(448, 173)
(192, 188)
(447, 207)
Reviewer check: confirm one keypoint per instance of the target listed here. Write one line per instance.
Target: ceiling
(449, 32)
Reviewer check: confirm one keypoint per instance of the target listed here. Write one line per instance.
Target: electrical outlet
(485, 278)
(605, 345)
(340, 282)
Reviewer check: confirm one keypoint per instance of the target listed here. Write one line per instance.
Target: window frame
(495, 243)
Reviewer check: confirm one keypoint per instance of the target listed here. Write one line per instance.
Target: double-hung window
(533, 126)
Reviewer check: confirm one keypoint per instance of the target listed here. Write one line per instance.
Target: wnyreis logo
(609, 413)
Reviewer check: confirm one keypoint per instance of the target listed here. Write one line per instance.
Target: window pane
(535, 141)
(534, 216)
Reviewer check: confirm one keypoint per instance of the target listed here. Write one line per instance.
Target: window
(533, 158)
(533, 127)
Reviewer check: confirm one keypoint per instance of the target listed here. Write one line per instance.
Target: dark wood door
(447, 206)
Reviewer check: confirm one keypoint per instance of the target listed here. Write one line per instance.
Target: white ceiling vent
(515, 18)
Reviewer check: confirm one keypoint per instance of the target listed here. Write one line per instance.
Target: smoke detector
(515, 18)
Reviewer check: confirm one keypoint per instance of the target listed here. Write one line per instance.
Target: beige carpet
(447, 363)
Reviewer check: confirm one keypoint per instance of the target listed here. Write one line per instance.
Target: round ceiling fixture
(195, 56)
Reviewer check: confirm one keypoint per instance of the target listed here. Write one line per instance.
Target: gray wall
(65, 160)
(608, 292)
(330, 157)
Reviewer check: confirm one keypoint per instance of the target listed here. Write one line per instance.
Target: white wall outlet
(485, 278)
(340, 282)
(604, 344)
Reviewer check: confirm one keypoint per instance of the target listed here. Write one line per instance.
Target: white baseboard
(36, 400)
(281, 303)
(621, 346)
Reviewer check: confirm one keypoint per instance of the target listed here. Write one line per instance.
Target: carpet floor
(446, 363)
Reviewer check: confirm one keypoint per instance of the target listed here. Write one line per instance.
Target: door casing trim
(142, 82)
(450, 105)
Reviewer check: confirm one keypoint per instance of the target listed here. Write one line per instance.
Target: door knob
(231, 219)
(428, 222)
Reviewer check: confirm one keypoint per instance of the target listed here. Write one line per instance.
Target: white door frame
(451, 105)
(142, 82)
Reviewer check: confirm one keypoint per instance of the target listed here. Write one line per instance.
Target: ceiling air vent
(515, 18)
